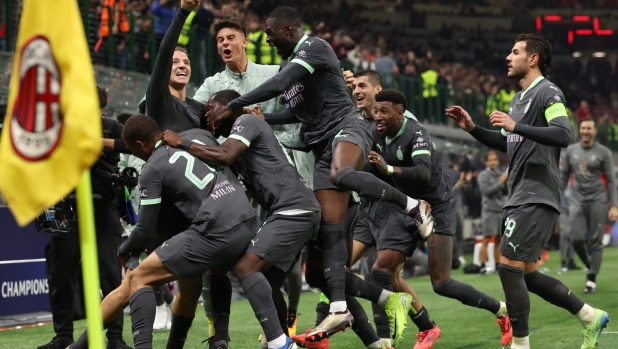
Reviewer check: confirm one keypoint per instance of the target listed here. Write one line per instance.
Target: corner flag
(52, 129)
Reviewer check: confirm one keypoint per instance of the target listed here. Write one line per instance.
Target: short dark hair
(102, 96)
(491, 152)
(139, 127)
(374, 77)
(539, 45)
(216, 27)
(393, 96)
(589, 118)
(287, 15)
(122, 118)
(181, 49)
(225, 96)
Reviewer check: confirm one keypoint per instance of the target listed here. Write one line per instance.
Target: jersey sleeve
(150, 185)
(421, 147)
(553, 102)
(246, 129)
(312, 55)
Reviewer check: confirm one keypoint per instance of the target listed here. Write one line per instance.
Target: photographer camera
(63, 253)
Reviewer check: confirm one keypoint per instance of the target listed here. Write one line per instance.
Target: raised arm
(272, 87)
(557, 134)
(492, 139)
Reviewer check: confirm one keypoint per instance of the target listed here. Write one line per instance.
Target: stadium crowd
(361, 44)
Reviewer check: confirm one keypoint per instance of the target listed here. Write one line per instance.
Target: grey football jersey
(588, 166)
(211, 197)
(534, 176)
(266, 169)
(320, 101)
(411, 146)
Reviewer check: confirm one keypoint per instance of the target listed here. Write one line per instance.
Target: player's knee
(337, 174)
(442, 287)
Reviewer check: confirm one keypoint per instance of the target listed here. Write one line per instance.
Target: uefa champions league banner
(23, 281)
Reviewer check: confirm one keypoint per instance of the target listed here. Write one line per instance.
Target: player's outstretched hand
(349, 78)
(501, 119)
(189, 5)
(215, 117)
(613, 213)
(257, 111)
(171, 138)
(461, 117)
(378, 160)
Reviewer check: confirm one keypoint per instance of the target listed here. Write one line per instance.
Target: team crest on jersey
(556, 97)
(36, 122)
(399, 153)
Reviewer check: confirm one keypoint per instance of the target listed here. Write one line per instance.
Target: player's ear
(245, 42)
(533, 60)
(379, 88)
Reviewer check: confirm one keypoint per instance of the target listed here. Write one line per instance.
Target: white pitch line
(606, 332)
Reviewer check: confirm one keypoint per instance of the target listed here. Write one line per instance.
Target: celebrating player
(589, 161)
(312, 83)
(404, 150)
(533, 131)
(216, 239)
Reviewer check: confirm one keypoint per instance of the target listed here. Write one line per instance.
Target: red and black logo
(36, 122)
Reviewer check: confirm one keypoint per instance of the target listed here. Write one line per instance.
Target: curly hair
(393, 96)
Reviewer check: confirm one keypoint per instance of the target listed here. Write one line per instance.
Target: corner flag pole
(90, 263)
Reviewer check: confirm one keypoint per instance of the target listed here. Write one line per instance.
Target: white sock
(338, 306)
(521, 343)
(383, 298)
(277, 343)
(412, 203)
(375, 345)
(586, 315)
(502, 312)
(386, 342)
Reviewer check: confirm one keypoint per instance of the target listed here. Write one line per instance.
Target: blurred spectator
(583, 111)
(258, 50)
(339, 47)
(203, 20)
(386, 66)
(143, 40)
(163, 12)
(119, 30)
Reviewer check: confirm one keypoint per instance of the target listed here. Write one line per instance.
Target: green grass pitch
(462, 327)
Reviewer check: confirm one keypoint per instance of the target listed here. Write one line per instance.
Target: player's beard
(517, 73)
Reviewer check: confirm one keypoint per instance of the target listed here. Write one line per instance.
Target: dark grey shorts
(396, 235)
(401, 233)
(491, 223)
(445, 214)
(372, 221)
(281, 237)
(357, 131)
(526, 230)
(190, 253)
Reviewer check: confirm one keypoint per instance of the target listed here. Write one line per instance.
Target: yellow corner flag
(52, 130)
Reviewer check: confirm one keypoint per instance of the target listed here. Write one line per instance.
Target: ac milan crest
(36, 122)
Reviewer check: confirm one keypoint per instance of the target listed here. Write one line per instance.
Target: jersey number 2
(200, 183)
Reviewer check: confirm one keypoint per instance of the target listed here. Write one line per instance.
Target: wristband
(185, 145)
(389, 170)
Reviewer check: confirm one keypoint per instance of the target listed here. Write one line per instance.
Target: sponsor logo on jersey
(514, 138)
(237, 128)
(293, 96)
(36, 124)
